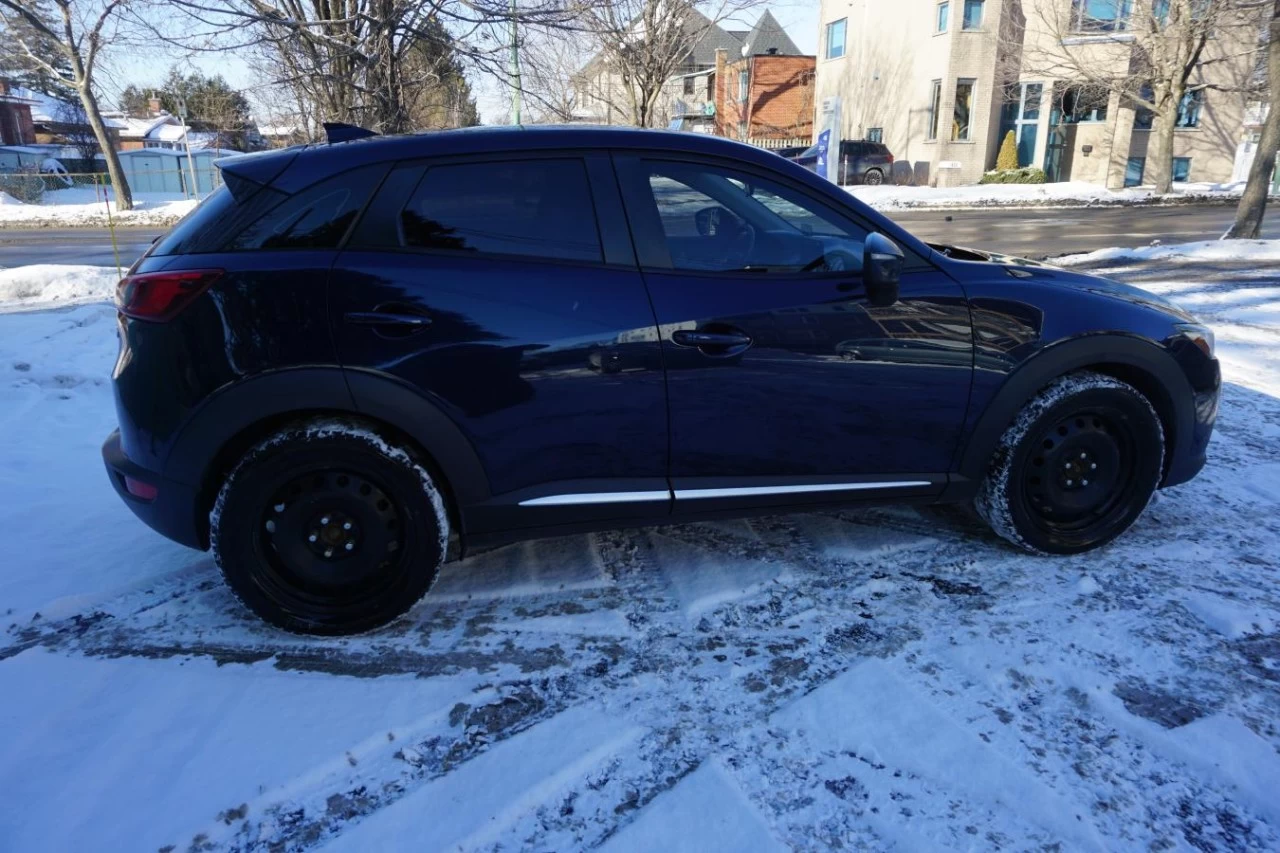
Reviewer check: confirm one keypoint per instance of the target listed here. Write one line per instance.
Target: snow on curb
(1066, 194)
(40, 286)
(1209, 250)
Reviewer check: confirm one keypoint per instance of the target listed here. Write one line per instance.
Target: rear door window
(534, 208)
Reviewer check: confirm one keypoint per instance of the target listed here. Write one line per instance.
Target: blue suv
(356, 358)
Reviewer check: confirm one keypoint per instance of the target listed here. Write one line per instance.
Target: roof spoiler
(336, 131)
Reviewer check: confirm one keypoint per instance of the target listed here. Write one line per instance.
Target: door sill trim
(597, 498)
(753, 491)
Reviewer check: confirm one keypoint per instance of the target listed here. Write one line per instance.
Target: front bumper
(1206, 383)
(172, 513)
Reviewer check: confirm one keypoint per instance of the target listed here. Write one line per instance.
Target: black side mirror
(882, 263)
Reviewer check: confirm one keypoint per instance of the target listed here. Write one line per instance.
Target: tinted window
(721, 220)
(315, 218)
(538, 208)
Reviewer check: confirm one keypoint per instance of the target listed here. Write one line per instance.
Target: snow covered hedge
(1029, 175)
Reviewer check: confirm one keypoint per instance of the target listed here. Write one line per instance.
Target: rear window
(535, 208)
(314, 218)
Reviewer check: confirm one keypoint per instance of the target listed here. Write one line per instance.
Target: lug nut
(350, 546)
(1093, 466)
(1070, 483)
(1066, 465)
(346, 525)
(1084, 482)
(271, 526)
(279, 507)
(312, 538)
(1083, 456)
(328, 552)
(324, 519)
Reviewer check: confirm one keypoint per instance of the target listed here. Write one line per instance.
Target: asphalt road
(1029, 233)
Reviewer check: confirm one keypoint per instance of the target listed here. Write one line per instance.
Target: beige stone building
(942, 81)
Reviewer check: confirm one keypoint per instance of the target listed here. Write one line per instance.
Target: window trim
(650, 238)
(1123, 19)
(942, 18)
(844, 39)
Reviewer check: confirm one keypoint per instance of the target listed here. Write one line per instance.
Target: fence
(773, 144)
(29, 185)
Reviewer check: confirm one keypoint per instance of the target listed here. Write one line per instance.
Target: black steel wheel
(1076, 468)
(325, 528)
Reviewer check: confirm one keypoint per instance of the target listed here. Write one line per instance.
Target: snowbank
(55, 285)
(1209, 250)
(1071, 193)
(83, 206)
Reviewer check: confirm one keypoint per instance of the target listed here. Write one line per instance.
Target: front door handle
(386, 318)
(689, 338)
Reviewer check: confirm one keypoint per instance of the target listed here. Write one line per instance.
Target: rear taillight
(890, 158)
(159, 296)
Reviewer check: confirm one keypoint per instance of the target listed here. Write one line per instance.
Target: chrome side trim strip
(596, 498)
(747, 491)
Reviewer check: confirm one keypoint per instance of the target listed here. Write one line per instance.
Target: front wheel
(1076, 468)
(328, 528)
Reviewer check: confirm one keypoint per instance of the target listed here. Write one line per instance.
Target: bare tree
(550, 62)
(382, 64)
(1153, 53)
(1253, 203)
(644, 43)
(78, 30)
(76, 130)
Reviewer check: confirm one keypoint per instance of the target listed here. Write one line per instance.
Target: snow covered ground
(1065, 194)
(84, 207)
(871, 679)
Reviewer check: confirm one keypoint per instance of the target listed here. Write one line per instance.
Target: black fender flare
(275, 396)
(1138, 361)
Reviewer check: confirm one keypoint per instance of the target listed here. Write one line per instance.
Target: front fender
(1138, 361)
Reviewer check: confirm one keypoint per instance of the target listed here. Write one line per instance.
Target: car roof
(318, 159)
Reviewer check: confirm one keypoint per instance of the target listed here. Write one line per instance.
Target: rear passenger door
(506, 291)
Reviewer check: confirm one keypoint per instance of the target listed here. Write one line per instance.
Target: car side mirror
(707, 220)
(882, 263)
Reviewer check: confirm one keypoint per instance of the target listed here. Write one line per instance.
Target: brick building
(765, 95)
(16, 126)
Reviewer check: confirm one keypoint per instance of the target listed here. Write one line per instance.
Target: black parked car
(355, 358)
(861, 162)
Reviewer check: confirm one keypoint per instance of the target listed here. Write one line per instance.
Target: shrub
(1029, 175)
(1007, 159)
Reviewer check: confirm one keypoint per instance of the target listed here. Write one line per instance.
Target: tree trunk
(1253, 203)
(1160, 150)
(124, 198)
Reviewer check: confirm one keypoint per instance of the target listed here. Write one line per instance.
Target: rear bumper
(173, 511)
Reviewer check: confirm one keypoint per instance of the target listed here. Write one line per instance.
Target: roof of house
(768, 37)
(714, 38)
(47, 109)
(140, 128)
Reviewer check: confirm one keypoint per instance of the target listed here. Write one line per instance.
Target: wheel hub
(1076, 469)
(331, 529)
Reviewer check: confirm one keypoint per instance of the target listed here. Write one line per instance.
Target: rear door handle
(382, 318)
(687, 338)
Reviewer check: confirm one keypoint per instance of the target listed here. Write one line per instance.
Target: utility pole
(515, 67)
(191, 162)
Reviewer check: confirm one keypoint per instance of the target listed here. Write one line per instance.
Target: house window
(944, 17)
(962, 117)
(1084, 104)
(1182, 169)
(1100, 16)
(744, 85)
(935, 108)
(688, 85)
(1189, 109)
(1133, 171)
(875, 134)
(972, 14)
(835, 38)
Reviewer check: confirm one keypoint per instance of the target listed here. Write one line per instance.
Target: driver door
(784, 384)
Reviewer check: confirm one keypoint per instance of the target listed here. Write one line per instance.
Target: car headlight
(1201, 336)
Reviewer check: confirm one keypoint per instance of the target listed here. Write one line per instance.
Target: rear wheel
(874, 177)
(1076, 468)
(327, 528)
